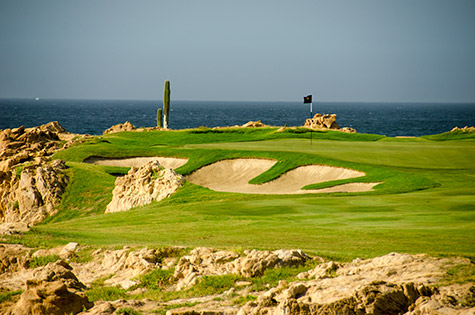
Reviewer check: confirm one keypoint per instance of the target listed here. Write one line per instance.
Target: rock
(348, 130)
(64, 252)
(139, 187)
(54, 290)
(121, 266)
(324, 121)
(33, 195)
(256, 262)
(29, 186)
(465, 129)
(127, 126)
(13, 257)
(49, 298)
(209, 262)
(391, 284)
(254, 124)
(13, 228)
(453, 299)
(100, 308)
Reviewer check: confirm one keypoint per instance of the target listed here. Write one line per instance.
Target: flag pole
(311, 122)
(308, 100)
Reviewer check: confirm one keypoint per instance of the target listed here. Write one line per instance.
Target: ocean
(95, 116)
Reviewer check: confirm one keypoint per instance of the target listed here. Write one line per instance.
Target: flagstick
(311, 122)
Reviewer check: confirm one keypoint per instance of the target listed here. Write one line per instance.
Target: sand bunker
(166, 162)
(234, 176)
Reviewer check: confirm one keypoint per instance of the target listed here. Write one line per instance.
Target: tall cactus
(159, 118)
(166, 104)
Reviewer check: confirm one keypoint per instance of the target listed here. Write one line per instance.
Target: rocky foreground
(391, 284)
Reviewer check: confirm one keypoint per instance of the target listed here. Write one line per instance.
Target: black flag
(307, 99)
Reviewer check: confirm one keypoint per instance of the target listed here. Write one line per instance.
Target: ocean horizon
(94, 116)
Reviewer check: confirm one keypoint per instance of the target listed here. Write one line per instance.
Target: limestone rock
(203, 261)
(139, 187)
(13, 228)
(390, 284)
(54, 290)
(29, 187)
(64, 252)
(32, 195)
(324, 121)
(256, 262)
(456, 299)
(465, 129)
(121, 266)
(25, 144)
(254, 124)
(13, 258)
(127, 126)
(209, 262)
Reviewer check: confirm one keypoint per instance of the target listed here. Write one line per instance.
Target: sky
(246, 50)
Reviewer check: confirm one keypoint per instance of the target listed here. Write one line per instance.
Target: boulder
(256, 262)
(141, 186)
(54, 290)
(32, 195)
(322, 121)
(254, 124)
(65, 252)
(127, 126)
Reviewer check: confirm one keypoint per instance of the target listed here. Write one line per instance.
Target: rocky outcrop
(390, 284)
(127, 126)
(29, 186)
(209, 262)
(322, 121)
(22, 144)
(121, 267)
(465, 129)
(326, 121)
(141, 186)
(53, 290)
(254, 124)
(31, 195)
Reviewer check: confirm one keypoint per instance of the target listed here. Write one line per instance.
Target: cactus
(166, 104)
(159, 118)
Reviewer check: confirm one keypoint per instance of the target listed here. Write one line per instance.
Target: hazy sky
(338, 50)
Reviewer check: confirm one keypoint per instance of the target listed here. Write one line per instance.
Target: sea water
(94, 116)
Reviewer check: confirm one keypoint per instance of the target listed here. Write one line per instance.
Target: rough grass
(425, 203)
(43, 260)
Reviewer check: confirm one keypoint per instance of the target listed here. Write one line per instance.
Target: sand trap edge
(167, 162)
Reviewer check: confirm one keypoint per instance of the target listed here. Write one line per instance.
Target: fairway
(425, 204)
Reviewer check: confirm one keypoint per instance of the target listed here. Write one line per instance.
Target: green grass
(9, 295)
(43, 260)
(426, 202)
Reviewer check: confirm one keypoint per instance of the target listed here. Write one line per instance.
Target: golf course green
(425, 202)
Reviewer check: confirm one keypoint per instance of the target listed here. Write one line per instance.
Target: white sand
(166, 162)
(234, 176)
